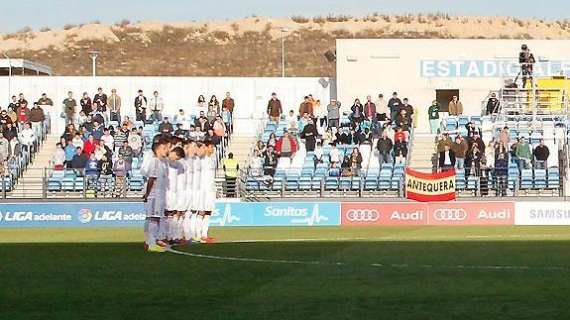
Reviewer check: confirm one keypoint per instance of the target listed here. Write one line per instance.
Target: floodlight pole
(9, 75)
(283, 32)
(94, 54)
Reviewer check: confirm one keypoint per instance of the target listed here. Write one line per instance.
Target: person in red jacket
(89, 145)
(400, 135)
(286, 146)
(23, 113)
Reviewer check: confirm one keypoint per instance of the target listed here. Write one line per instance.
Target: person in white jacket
(156, 105)
(27, 137)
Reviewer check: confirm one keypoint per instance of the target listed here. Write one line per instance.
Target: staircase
(423, 150)
(241, 148)
(30, 185)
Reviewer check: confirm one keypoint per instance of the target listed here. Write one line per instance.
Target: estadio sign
(542, 213)
(438, 213)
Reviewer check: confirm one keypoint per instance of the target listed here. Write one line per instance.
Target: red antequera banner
(427, 187)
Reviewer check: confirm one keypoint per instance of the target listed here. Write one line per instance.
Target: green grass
(104, 274)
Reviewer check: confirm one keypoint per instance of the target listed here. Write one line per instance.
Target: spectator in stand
(108, 139)
(455, 107)
(334, 170)
(478, 141)
(229, 103)
(202, 123)
(69, 105)
(328, 136)
(82, 118)
(333, 114)
(292, 122)
(473, 161)
(272, 141)
(214, 104)
(201, 105)
(23, 114)
(269, 162)
(127, 122)
(394, 105)
(306, 107)
(86, 104)
(79, 161)
(21, 99)
(400, 150)
(384, 146)
(121, 167)
(256, 165)
(320, 112)
(126, 152)
(370, 109)
(179, 132)
(97, 131)
(505, 137)
(381, 108)
(446, 159)
(460, 148)
(286, 146)
(501, 174)
(70, 151)
(399, 135)
(227, 119)
(10, 131)
(15, 147)
(274, 109)
(91, 171)
(14, 105)
(89, 145)
(4, 149)
(165, 127)
(28, 138)
(259, 147)
(541, 154)
(156, 105)
(37, 117)
(136, 143)
(105, 176)
(334, 154)
(492, 105)
(346, 169)
(98, 117)
(45, 101)
(403, 120)
(58, 157)
(121, 136)
(408, 107)
(140, 106)
(100, 103)
(114, 106)
(310, 134)
(219, 127)
(213, 138)
(77, 141)
(357, 113)
(443, 141)
(433, 115)
(101, 150)
(355, 162)
(472, 129)
(4, 120)
(182, 118)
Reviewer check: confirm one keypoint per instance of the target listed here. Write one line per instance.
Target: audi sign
(362, 215)
(450, 214)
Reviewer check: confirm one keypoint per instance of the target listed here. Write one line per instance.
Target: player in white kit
(154, 169)
(197, 218)
(188, 192)
(207, 191)
(169, 229)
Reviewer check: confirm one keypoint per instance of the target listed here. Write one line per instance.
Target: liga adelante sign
(429, 187)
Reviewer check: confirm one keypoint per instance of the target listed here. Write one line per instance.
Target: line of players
(180, 192)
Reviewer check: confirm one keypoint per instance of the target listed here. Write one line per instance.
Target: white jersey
(196, 179)
(155, 168)
(189, 189)
(207, 193)
(181, 195)
(174, 169)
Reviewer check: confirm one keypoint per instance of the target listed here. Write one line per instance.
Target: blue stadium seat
(526, 179)
(540, 178)
(331, 183)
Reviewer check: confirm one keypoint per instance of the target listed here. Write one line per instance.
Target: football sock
(205, 226)
(147, 233)
(193, 219)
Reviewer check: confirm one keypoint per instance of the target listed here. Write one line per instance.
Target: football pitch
(289, 273)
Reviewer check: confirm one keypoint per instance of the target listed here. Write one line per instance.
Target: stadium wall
(243, 214)
(250, 93)
(416, 68)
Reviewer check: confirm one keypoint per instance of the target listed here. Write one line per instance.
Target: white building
(425, 70)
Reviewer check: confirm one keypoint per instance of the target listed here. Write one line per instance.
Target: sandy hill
(246, 47)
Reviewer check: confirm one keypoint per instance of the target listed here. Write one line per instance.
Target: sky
(17, 14)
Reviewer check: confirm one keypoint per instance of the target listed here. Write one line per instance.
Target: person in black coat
(501, 174)
(492, 105)
(309, 133)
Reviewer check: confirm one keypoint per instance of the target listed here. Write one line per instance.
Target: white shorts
(153, 209)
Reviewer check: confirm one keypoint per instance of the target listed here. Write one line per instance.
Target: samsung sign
(488, 68)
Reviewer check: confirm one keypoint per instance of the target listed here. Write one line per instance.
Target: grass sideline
(104, 274)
